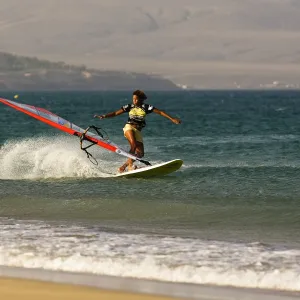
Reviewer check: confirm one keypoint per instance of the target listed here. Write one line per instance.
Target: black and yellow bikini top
(137, 114)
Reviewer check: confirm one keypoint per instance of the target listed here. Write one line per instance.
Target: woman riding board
(136, 122)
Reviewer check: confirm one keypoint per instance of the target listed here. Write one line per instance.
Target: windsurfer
(136, 122)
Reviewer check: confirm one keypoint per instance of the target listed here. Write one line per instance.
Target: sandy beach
(15, 289)
(21, 283)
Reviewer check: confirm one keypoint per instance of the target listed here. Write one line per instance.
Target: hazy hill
(199, 42)
(30, 73)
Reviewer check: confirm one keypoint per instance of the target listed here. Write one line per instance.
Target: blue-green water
(233, 208)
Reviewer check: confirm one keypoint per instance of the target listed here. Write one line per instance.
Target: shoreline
(26, 289)
(15, 281)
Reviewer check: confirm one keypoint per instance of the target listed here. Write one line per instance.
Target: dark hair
(141, 95)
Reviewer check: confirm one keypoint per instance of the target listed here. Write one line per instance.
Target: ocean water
(229, 216)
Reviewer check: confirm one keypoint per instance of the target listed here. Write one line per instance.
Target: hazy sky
(176, 38)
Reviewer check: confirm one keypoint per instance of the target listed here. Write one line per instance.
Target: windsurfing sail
(51, 119)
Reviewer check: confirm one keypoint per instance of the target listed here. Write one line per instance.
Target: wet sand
(36, 284)
(17, 289)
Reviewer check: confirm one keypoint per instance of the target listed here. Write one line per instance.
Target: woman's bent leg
(129, 134)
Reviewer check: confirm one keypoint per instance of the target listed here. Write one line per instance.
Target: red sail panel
(53, 120)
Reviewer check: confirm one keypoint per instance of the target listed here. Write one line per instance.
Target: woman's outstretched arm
(110, 115)
(164, 114)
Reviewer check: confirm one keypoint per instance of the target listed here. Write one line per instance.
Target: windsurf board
(155, 170)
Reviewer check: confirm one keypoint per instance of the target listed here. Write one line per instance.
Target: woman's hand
(176, 121)
(99, 117)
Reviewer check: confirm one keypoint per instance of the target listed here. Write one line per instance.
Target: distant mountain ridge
(30, 73)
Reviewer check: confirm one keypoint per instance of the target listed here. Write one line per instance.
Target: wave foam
(55, 157)
(35, 244)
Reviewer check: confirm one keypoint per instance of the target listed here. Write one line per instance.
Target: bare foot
(122, 168)
(131, 168)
